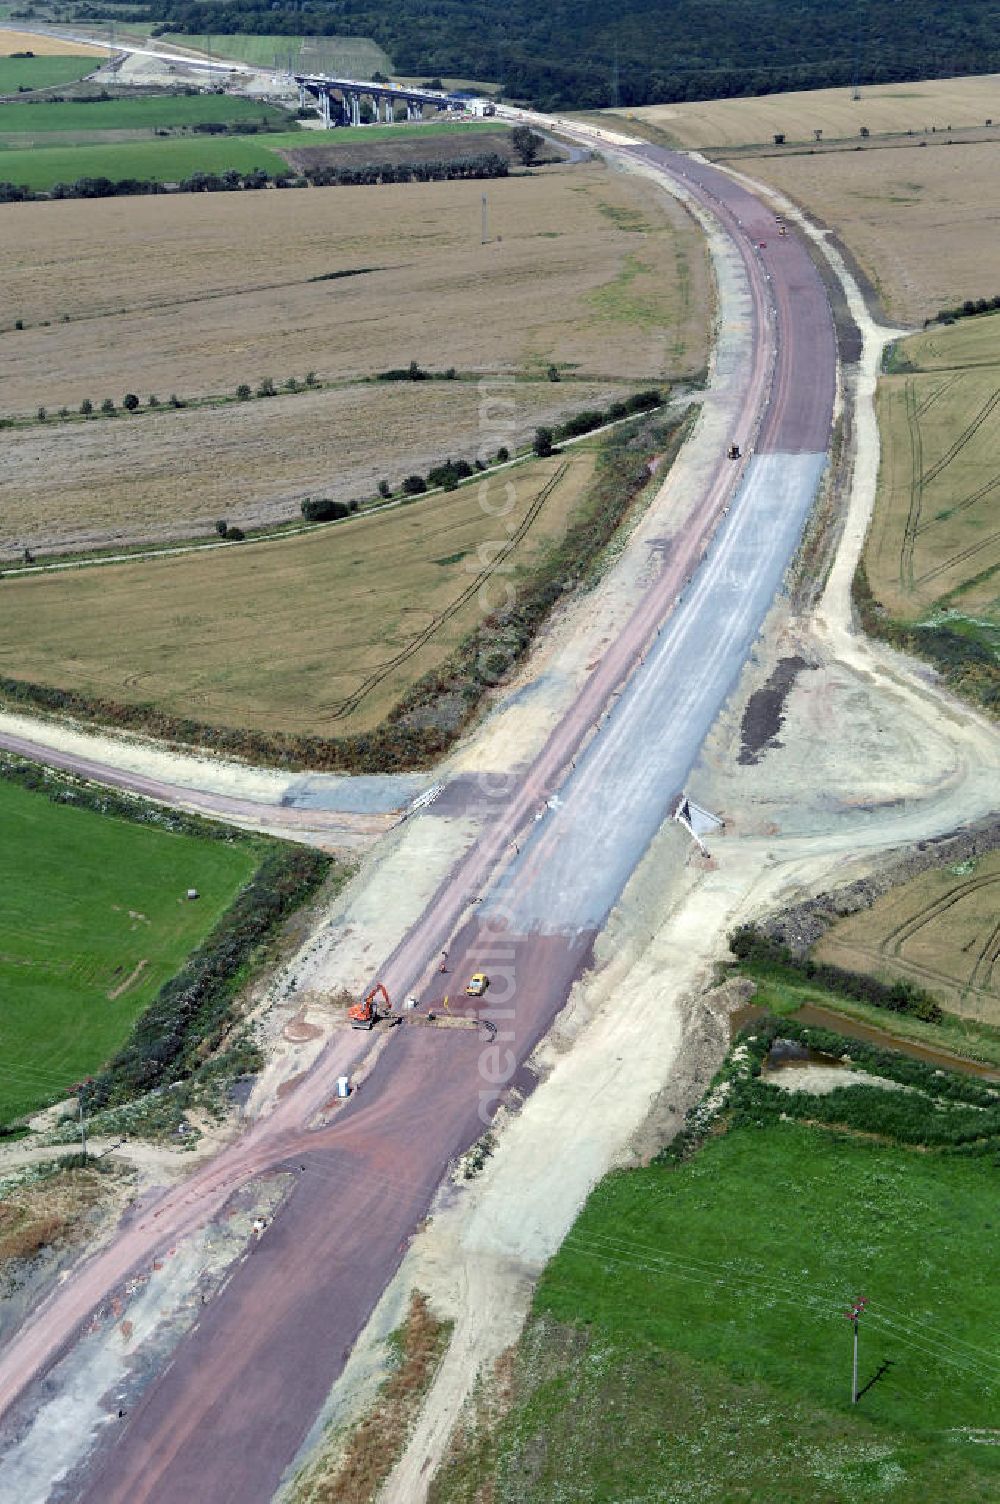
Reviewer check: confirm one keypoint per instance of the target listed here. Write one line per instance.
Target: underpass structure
(525, 904)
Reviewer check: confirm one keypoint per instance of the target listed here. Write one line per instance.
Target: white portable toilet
(343, 1086)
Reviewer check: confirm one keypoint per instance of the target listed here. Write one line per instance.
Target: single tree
(108, 407)
(86, 407)
(384, 489)
(542, 443)
(311, 378)
(267, 388)
(553, 373)
(153, 400)
(527, 143)
(413, 485)
(222, 527)
(243, 392)
(130, 402)
(503, 454)
(42, 415)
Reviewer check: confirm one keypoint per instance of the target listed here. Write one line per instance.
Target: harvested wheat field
(923, 222)
(940, 930)
(173, 473)
(934, 540)
(958, 102)
(45, 46)
(277, 636)
(195, 294)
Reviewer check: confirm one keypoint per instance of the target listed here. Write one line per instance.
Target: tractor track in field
(348, 706)
(916, 489)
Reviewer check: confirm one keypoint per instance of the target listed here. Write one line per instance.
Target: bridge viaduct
(339, 99)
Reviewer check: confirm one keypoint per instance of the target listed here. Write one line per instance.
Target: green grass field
(376, 134)
(92, 906)
(688, 1341)
(145, 112)
(164, 161)
(43, 72)
(352, 57)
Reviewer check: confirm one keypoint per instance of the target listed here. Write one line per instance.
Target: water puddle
(851, 1028)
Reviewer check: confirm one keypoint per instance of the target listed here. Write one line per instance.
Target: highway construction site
(529, 945)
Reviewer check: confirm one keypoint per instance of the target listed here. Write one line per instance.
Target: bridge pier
(324, 108)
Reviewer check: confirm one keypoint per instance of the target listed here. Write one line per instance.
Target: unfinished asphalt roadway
(226, 1417)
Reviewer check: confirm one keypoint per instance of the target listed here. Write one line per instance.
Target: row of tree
(328, 175)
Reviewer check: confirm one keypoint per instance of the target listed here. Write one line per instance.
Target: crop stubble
(957, 102)
(941, 931)
(923, 222)
(934, 533)
(276, 636)
(171, 474)
(196, 294)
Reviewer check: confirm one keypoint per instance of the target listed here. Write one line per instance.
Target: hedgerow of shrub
(759, 955)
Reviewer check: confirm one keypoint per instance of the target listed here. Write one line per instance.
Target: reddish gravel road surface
(226, 1417)
(318, 826)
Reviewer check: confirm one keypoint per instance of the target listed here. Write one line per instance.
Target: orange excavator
(367, 1014)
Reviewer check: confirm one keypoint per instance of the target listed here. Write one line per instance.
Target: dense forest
(585, 54)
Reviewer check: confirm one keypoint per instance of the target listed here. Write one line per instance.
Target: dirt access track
(233, 1407)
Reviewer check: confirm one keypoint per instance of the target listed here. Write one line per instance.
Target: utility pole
(854, 1315)
(486, 220)
(80, 1094)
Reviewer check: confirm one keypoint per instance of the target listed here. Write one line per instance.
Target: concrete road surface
(229, 1413)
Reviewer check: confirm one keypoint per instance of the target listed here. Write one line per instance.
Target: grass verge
(50, 1207)
(353, 1471)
